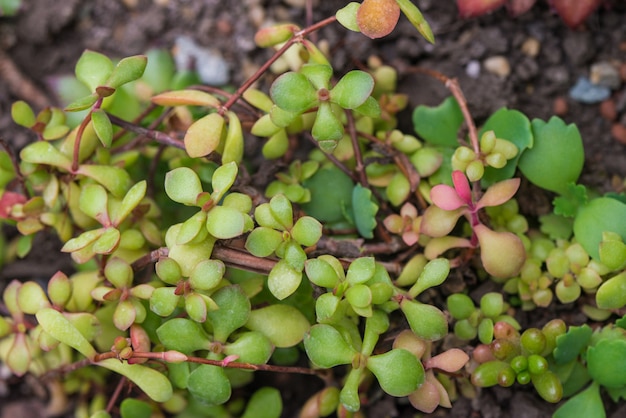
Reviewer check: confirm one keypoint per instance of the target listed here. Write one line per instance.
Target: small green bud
(475, 170)
(487, 142)
(495, 160)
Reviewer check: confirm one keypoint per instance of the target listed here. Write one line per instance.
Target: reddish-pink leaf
(518, 7)
(462, 187)
(446, 197)
(499, 193)
(7, 201)
(449, 361)
(377, 18)
(473, 8)
(574, 13)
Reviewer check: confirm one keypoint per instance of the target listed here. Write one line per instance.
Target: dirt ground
(538, 60)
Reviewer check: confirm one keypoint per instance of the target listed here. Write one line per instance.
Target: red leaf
(473, 8)
(377, 18)
(7, 201)
(518, 7)
(574, 13)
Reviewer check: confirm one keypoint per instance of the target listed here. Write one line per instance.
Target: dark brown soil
(47, 36)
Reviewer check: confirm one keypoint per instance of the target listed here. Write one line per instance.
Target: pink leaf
(574, 13)
(473, 8)
(462, 186)
(446, 198)
(518, 7)
(499, 193)
(449, 361)
(7, 201)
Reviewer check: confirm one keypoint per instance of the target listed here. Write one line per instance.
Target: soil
(543, 56)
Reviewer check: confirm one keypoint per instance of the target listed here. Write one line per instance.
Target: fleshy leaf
(183, 335)
(233, 312)
(364, 211)
(127, 70)
(222, 179)
(284, 325)
(570, 345)
(93, 202)
(264, 403)
(204, 135)
(428, 322)
(209, 384)
(434, 273)
(293, 92)
(499, 193)
(557, 157)
(281, 210)
(415, 17)
(439, 125)
(378, 18)
(263, 241)
(347, 16)
(605, 362)
(114, 179)
(327, 128)
(22, 114)
(352, 89)
(307, 231)
(283, 280)
(612, 293)
(225, 223)
(600, 215)
(55, 324)
(321, 273)
(398, 371)
(183, 185)
(185, 98)
(502, 253)
(587, 403)
(361, 270)
(153, 383)
(42, 152)
(131, 200)
(135, 408)
(319, 339)
(446, 197)
(93, 69)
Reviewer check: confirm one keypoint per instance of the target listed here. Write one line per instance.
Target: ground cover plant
(189, 276)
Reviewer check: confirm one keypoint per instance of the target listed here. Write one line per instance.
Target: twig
(160, 137)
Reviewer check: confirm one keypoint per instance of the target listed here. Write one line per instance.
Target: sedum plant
(190, 273)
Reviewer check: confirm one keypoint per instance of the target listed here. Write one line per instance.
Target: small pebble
(531, 47)
(618, 131)
(585, 91)
(608, 110)
(211, 67)
(498, 65)
(559, 106)
(605, 74)
(473, 69)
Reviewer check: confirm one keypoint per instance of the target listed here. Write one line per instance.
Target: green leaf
(233, 312)
(127, 70)
(83, 240)
(102, 126)
(352, 89)
(513, 126)
(293, 92)
(262, 241)
(319, 339)
(415, 17)
(435, 272)
(131, 200)
(587, 403)
(183, 335)
(93, 69)
(327, 204)
(364, 210)
(570, 345)
(204, 135)
(107, 242)
(347, 16)
(361, 270)
(557, 157)
(284, 325)
(55, 324)
(426, 321)
(183, 185)
(250, 347)
(327, 128)
(22, 114)
(318, 74)
(225, 223)
(209, 384)
(223, 178)
(605, 362)
(612, 293)
(164, 301)
(83, 103)
(186, 98)
(439, 125)
(93, 202)
(114, 179)
(153, 383)
(42, 152)
(134, 408)
(600, 215)
(307, 231)
(281, 210)
(283, 280)
(574, 197)
(321, 273)
(398, 371)
(264, 403)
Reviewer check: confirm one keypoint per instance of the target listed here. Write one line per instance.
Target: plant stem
(157, 136)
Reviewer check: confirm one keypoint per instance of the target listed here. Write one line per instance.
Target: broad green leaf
(83, 103)
(415, 17)
(209, 384)
(127, 70)
(557, 156)
(134, 408)
(283, 280)
(186, 98)
(439, 125)
(600, 215)
(164, 301)
(574, 197)
(281, 210)
(612, 293)
(183, 335)
(327, 204)
(107, 242)
(293, 92)
(587, 403)
(45, 153)
(352, 89)
(114, 179)
(102, 126)
(55, 324)
(22, 114)
(347, 16)
(94, 203)
(512, 126)
(570, 345)
(605, 362)
(361, 270)
(318, 74)
(307, 231)
(131, 200)
(264, 403)
(327, 128)
(93, 69)
(263, 241)
(153, 383)
(318, 341)
(321, 273)
(250, 347)
(225, 223)
(233, 312)
(222, 179)
(426, 321)
(183, 185)
(364, 210)
(398, 371)
(284, 325)
(204, 135)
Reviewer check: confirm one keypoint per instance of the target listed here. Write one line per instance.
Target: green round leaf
(321, 273)
(284, 325)
(605, 362)
(233, 312)
(183, 335)
(262, 241)
(127, 70)
(164, 301)
(225, 223)
(352, 89)
(250, 347)
(439, 125)
(361, 270)
(102, 126)
(114, 179)
(207, 274)
(319, 339)
(293, 92)
(307, 231)
(134, 408)
(327, 128)
(264, 403)
(600, 215)
(204, 135)
(328, 204)
(398, 371)
(283, 280)
(347, 16)
(281, 210)
(426, 321)
(612, 293)
(93, 69)
(209, 384)
(22, 114)
(183, 185)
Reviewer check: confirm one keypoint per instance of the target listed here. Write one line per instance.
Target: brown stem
(358, 157)
(160, 137)
(116, 394)
(77, 141)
